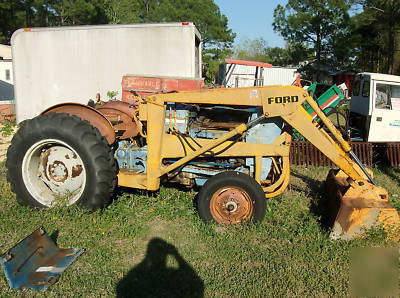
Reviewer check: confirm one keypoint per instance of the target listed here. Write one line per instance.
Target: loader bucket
(359, 206)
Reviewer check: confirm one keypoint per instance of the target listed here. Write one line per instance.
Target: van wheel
(231, 198)
(60, 159)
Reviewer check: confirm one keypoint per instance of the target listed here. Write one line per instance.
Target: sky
(252, 19)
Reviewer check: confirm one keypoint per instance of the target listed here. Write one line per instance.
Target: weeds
(288, 254)
(7, 127)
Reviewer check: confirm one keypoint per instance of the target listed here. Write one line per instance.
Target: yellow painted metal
(282, 183)
(320, 139)
(132, 179)
(345, 145)
(155, 131)
(276, 101)
(258, 163)
(359, 206)
(172, 148)
(238, 130)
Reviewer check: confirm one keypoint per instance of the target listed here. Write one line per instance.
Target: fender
(121, 114)
(95, 118)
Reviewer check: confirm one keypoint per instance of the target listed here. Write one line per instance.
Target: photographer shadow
(152, 277)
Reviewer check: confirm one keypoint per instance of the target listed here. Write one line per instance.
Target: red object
(7, 111)
(185, 23)
(347, 78)
(326, 104)
(148, 85)
(248, 63)
(298, 82)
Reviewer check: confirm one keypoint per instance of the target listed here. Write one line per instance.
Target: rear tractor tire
(60, 159)
(231, 198)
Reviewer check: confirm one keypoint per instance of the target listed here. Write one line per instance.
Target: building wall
(6, 80)
(5, 52)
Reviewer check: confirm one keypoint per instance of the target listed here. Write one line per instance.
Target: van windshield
(387, 97)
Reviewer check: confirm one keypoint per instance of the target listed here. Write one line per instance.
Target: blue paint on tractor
(130, 156)
(36, 262)
(263, 133)
(179, 117)
(190, 121)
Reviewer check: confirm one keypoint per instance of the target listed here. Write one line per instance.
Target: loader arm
(279, 101)
(337, 150)
(356, 203)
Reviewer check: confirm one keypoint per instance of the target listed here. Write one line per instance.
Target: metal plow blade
(36, 262)
(358, 207)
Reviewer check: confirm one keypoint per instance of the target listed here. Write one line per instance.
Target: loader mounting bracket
(36, 262)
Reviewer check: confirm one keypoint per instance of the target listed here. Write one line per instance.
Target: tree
(12, 16)
(122, 11)
(252, 49)
(258, 50)
(383, 18)
(313, 23)
(217, 38)
(79, 12)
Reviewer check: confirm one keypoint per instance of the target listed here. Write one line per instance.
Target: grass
(7, 127)
(157, 245)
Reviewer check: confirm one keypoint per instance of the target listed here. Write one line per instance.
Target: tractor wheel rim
(53, 173)
(231, 205)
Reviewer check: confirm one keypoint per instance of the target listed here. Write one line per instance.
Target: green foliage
(122, 11)
(7, 127)
(314, 23)
(112, 95)
(252, 49)
(377, 35)
(258, 50)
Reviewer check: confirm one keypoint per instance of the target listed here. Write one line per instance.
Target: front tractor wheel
(60, 159)
(231, 198)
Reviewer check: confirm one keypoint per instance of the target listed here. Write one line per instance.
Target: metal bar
(316, 155)
(228, 77)
(362, 167)
(345, 145)
(390, 154)
(238, 130)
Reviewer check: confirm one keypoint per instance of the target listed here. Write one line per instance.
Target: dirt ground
(4, 143)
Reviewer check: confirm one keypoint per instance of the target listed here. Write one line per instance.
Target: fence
(304, 153)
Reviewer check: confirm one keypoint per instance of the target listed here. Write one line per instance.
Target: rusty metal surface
(305, 153)
(36, 262)
(121, 114)
(85, 112)
(61, 169)
(124, 107)
(392, 153)
(359, 206)
(231, 205)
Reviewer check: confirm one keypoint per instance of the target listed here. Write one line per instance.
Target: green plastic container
(330, 99)
(327, 101)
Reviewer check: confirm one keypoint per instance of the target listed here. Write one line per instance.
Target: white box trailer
(241, 73)
(73, 64)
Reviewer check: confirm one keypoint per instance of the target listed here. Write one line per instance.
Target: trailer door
(385, 116)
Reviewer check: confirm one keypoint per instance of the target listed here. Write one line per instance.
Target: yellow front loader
(234, 143)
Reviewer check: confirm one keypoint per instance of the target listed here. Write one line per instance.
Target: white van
(375, 108)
